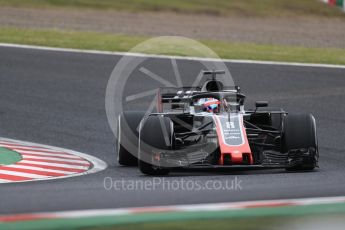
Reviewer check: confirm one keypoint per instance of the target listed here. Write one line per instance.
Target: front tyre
(300, 142)
(128, 137)
(155, 137)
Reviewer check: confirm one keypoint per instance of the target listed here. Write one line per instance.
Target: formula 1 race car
(207, 126)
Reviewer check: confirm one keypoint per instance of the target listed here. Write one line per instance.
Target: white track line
(14, 145)
(170, 57)
(22, 148)
(55, 159)
(55, 164)
(28, 153)
(40, 169)
(17, 148)
(50, 153)
(22, 174)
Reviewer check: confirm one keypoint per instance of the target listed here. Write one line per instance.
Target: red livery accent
(236, 152)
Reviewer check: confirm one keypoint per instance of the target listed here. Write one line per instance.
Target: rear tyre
(299, 138)
(128, 137)
(155, 137)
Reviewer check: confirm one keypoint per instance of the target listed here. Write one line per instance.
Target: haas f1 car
(207, 127)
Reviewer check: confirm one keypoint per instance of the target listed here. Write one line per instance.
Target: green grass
(107, 42)
(266, 223)
(215, 7)
(8, 157)
(257, 223)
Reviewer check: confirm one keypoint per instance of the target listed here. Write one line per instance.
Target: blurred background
(251, 29)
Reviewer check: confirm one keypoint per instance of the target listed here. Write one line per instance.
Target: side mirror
(261, 104)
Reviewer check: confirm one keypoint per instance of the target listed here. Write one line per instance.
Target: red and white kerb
(40, 163)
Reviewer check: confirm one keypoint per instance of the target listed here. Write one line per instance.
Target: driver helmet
(210, 105)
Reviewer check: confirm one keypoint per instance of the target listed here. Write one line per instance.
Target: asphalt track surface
(57, 98)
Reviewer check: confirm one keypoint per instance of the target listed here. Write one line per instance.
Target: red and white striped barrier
(41, 162)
